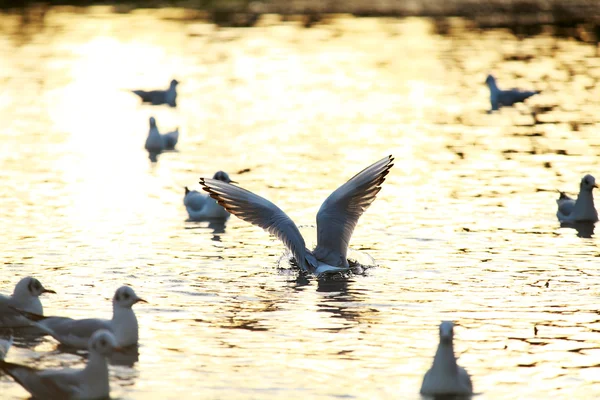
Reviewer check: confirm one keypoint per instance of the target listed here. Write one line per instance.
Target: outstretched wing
(258, 211)
(340, 212)
(41, 384)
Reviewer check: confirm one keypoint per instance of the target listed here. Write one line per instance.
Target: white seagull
(156, 142)
(25, 297)
(157, 97)
(336, 218)
(500, 98)
(446, 377)
(92, 382)
(77, 332)
(582, 209)
(201, 206)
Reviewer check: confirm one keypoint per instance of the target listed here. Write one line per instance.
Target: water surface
(463, 229)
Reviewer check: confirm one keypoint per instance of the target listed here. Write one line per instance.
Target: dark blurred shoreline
(577, 18)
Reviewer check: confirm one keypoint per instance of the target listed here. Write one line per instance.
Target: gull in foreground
(157, 97)
(336, 218)
(201, 206)
(582, 209)
(500, 98)
(446, 377)
(25, 297)
(156, 142)
(77, 332)
(89, 383)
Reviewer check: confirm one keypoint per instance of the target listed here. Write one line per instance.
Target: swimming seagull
(157, 97)
(92, 382)
(336, 218)
(446, 377)
(156, 142)
(77, 332)
(4, 346)
(25, 297)
(500, 98)
(582, 209)
(201, 206)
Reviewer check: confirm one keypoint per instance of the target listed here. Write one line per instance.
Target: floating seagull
(156, 142)
(336, 218)
(4, 346)
(201, 207)
(500, 98)
(446, 377)
(582, 209)
(77, 332)
(25, 297)
(92, 382)
(157, 97)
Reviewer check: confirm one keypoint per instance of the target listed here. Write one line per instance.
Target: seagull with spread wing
(336, 218)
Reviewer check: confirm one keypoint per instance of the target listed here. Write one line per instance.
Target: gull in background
(446, 377)
(336, 218)
(581, 209)
(157, 97)
(77, 332)
(25, 297)
(500, 98)
(201, 206)
(4, 346)
(92, 382)
(156, 142)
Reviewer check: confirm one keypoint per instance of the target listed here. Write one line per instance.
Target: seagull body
(92, 382)
(25, 297)
(581, 209)
(500, 98)
(446, 377)
(336, 218)
(201, 206)
(156, 142)
(77, 332)
(157, 97)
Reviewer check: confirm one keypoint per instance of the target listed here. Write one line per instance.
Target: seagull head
(30, 287)
(152, 122)
(588, 183)
(446, 332)
(174, 83)
(125, 297)
(103, 342)
(223, 176)
(490, 80)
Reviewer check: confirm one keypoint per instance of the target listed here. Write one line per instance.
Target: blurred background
(292, 98)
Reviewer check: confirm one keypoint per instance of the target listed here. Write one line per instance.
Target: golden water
(463, 229)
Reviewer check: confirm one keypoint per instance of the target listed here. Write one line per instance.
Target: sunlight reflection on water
(464, 227)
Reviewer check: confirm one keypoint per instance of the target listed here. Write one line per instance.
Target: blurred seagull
(336, 218)
(201, 206)
(156, 142)
(25, 297)
(4, 346)
(92, 382)
(582, 209)
(157, 97)
(500, 98)
(77, 332)
(446, 377)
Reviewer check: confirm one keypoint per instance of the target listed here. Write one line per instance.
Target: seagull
(157, 97)
(201, 207)
(4, 346)
(25, 297)
(156, 142)
(446, 377)
(582, 209)
(500, 98)
(336, 218)
(77, 332)
(92, 382)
